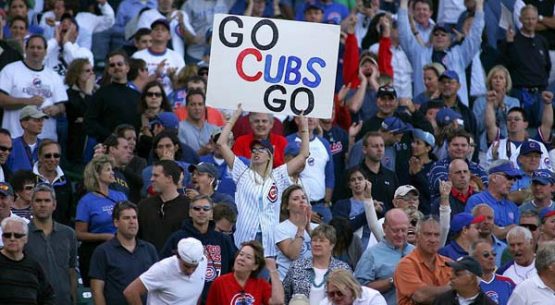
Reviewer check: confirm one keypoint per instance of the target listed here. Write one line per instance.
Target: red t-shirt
(226, 291)
(242, 148)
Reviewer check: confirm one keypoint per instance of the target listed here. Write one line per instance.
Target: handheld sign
(273, 66)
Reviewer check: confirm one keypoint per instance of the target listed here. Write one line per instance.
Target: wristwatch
(540, 18)
(391, 281)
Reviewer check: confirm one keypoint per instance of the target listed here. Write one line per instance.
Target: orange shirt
(214, 116)
(412, 273)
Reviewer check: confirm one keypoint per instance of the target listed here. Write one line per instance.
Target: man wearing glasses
(178, 279)
(5, 150)
(218, 247)
(6, 203)
(22, 279)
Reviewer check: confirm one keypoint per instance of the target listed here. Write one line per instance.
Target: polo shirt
(532, 291)
(193, 136)
(56, 254)
(118, 267)
(384, 184)
(242, 148)
(506, 212)
(453, 250)
(379, 262)
(412, 274)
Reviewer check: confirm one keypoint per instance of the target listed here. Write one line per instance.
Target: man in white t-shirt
(178, 279)
(160, 60)
(29, 82)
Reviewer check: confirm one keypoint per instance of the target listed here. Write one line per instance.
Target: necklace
(522, 277)
(313, 278)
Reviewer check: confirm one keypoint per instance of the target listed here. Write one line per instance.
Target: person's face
(449, 87)
(122, 153)
(186, 269)
(548, 228)
(338, 297)
(374, 149)
(520, 249)
(461, 279)
(499, 81)
(431, 80)
(396, 232)
(153, 98)
(357, 182)
(144, 42)
(503, 183)
(314, 15)
(201, 180)
(419, 148)
(312, 123)
(485, 255)
(165, 147)
(131, 136)
(35, 50)
(14, 244)
(159, 180)
(118, 68)
(261, 124)
(32, 126)
(259, 155)
(431, 114)
(199, 85)
(485, 228)
(160, 33)
(18, 29)
(5, 148)
(224, 226)
(258, 7)
(127, 223)
(59, 9)
(458, 148)
(200, 212)
(245, 260)
(515, 122)
(531, 223)
(530, 162)
(27, 191)
(321, 247)
(49, 158)
(540, 191)
(43, 205)
(387, 105)
(6, 203)
(459, 175)
(422, 13)
(409, 202)
(196, 107)
(529, 20)
(106, 174)
(428, 237)
(86, 73)
(298, 202)
(472, 232)
(18, 8)
(367, 67)
(441, 40)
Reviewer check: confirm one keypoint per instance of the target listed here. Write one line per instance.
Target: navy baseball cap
(467, 263)
(543, 176)
(446, 116)
(450, 74)
(506, 168)
(440, 27)
(462, 220)
(530, 147)
(386, 91)
(167, 119)
(264, 143)
(162, 21)
(6, 189)
(395, 125)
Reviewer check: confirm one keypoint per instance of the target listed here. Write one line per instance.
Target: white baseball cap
(403, 190)
(190, 250)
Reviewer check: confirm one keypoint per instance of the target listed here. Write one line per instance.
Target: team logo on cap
(272, 193)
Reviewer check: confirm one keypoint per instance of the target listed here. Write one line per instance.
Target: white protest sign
(273, 66)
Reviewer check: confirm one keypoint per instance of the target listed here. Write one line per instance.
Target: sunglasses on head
(335, 293)
(50, 156)
(154, 94)
(5, 148)
(9, 235)
(205, 208)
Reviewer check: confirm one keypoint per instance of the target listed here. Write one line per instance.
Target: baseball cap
(167, 119)
(162, 21)
(386, 91)
(466, 263)
(440, 27)
(395, 125)
(6, 189)
(403, 190)
(446, 116)
(425, 136)
(204, 167)
(190, 250)
(31, 112)
(543, 176)
(546, 213)
(462, 220)
(506, 168)
(530, 147)
(450, 74)
(292, 149)
(264, 143)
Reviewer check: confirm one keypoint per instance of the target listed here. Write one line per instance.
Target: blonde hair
(344, 281)
(267, 171)
(508, 80)
(92, 172)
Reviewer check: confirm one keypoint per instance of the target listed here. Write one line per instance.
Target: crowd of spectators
(432, 182)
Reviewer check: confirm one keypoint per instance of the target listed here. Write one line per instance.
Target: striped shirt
(258, 203)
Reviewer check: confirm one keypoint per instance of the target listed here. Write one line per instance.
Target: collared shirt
(194, 136)
(506, 212)
(499, 247)
(412, 273)
(533, 291)
(531, 206)
(460, 196)
(453, 250)
(425, 32)
(379, 262)
(57, 254)
(384, 184)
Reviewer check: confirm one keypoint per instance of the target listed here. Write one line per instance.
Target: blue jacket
(19, 159)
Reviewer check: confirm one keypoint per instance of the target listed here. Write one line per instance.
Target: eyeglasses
(258, 150)
(29, 187)
(154, 94)
(162, 211)
(9, 235)
(50, 156)
(333, 294)
(529, 226)
(119, 64)
(5, 148)
(205, 208)
(487, 254)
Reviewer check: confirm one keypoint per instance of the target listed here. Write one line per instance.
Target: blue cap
(395, 125)
(292, 149)
(450, 74)
(446, 116)
(543, 176)
(425, 136)
(462, 220)
(530, 147)
(506, 168)
(167, 119)
(545, 213)
(162, 21)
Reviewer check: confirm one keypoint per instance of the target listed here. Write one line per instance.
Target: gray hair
(480, 206)
(475, 244)
(430, 218)
(44, 187)
(518, 231)
(15, 219)
(545, 256)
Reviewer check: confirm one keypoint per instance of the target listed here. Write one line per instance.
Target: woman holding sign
(259, 187)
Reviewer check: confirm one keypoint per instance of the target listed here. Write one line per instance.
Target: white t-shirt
(166, 284)
(18, 80)
(287, 230)
(519, 273)
(173, 60)
(317, 294)
(314, 172)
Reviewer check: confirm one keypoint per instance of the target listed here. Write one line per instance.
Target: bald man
(458, 180)
(377, 265)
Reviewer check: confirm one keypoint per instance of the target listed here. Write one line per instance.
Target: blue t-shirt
(96, 211)
(499, 289)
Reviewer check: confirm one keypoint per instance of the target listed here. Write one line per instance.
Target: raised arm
(547, 116)
(278, 295)
(370, 211)
(296, 163)
(491, 126)
(226, 151)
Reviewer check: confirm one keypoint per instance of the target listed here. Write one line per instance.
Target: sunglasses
(154, 94)
(258, 150)
(333, 294)
(119, 64)
(9, 235)
(50, 156)
(205, 208)
(5, 148)
(529, 226)
(487, 254)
